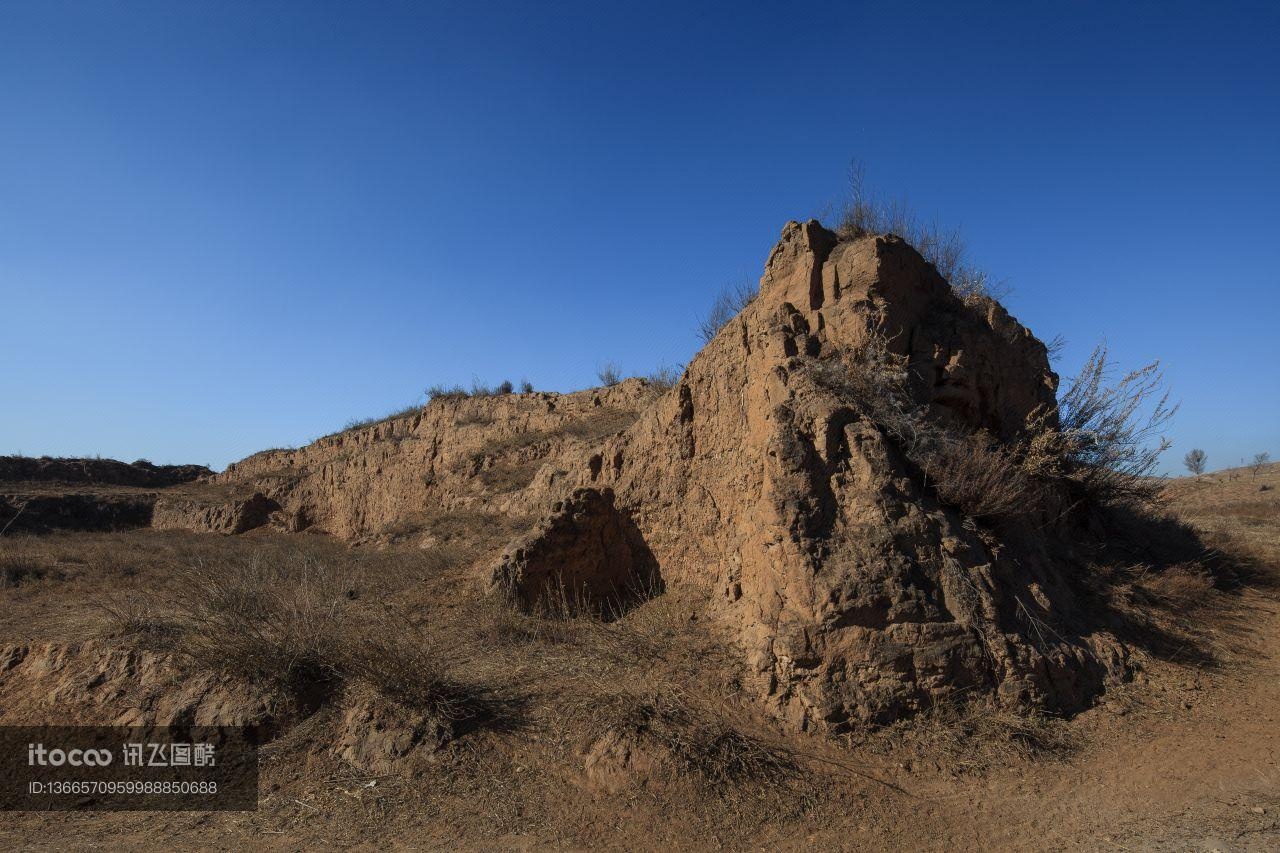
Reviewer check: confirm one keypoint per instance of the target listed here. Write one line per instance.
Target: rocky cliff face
(759, 481)
(855, 595)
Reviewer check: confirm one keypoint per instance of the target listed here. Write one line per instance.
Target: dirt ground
(1185, 757)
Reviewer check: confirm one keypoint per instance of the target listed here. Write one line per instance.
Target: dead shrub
(609, 374)
(140, 621)
(969, 738)
(664, 378)
(1110, 435)
(484, 389)
(402, 665)
(1105, 437)
(973, 474)
(728, 303)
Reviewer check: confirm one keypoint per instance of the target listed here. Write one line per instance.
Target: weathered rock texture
(234, 513)
(854, 594)
(584, 551)
(463, 457)
(93, 684)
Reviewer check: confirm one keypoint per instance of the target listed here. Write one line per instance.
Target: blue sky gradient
(232, 226)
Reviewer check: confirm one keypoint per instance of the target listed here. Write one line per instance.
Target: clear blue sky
(232, 226)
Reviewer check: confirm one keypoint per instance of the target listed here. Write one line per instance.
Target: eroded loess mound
(447, 465)
(766, 480)
(784, 481)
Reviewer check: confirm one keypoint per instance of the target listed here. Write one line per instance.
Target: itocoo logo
(38, 755)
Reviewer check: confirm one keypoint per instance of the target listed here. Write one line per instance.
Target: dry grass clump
(509, 477)
(969, 738)
(971, 472)
(360, 423)
(464, 532)
(474, 418)
(446, 392)
(141, 620)
(406, 666)
(268, 622)
(975, 475)
(306, 628)
(509, 464)
(863, 213)
(689, 734)
(16, 571)
(601, 424)
(303, 629)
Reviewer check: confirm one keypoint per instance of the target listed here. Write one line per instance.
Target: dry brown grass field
(1182, 757)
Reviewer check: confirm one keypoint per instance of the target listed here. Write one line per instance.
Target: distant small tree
(609, 374)
(506, 387)
(1259, 459)
(526, 387)
(1195, 461)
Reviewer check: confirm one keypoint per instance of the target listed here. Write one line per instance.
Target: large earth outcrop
(855, 595)
(761, 482)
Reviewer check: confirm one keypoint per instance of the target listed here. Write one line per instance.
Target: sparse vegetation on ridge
(390, 416)
(862, 212)
(609, 374)
(663, 377)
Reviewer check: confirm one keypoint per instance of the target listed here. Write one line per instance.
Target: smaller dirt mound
(215, 512)
(585, 549)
